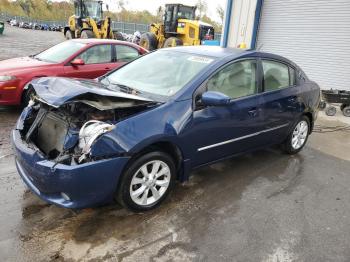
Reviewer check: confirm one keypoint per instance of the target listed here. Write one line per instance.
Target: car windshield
(60, 52)
(161, 73)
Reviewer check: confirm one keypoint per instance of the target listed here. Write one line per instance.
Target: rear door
(280, 97)
(98, 60)
(125, 54)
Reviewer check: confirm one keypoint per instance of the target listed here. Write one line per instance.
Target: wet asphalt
(262, 206)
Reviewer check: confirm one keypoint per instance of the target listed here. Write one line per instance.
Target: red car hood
(20, 63)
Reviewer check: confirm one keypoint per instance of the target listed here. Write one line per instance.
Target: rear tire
(346, 111)
(172, 42)
(298, 136)
(87, 34)
(69, 35)
(322, 105)
(148, 41)
(331, 111)
(147, 181)
(118, 36)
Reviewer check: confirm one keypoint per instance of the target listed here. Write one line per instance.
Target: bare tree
(221, 12)
(202, 7)
(160, 13)
(121, 4)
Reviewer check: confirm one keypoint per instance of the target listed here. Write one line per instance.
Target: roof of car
(214, 51)
(221, 52)
(100, 41)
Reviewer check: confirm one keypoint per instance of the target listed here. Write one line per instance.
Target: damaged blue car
(129, 135)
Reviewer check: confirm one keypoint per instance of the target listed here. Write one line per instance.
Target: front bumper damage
(61, 153)
(86, 185)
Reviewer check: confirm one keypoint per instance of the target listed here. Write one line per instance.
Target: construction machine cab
(179, 27)
(174, 12)
(88, 21)
(91, 9)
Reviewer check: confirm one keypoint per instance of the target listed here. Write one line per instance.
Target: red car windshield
(60, 52)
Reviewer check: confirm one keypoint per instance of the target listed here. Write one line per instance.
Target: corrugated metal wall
(313, 33)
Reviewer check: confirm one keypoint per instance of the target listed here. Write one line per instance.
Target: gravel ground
(17, 42)
(263, 206)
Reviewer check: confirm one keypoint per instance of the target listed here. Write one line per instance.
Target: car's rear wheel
(298, 137)
(147, 181)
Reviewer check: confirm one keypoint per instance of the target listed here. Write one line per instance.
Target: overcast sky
(152, 5)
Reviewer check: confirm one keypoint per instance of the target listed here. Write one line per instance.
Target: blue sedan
(129, 135)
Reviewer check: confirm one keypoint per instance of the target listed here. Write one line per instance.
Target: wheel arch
(311, 119)
(165, 146)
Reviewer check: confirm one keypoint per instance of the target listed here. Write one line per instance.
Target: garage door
(313, 33)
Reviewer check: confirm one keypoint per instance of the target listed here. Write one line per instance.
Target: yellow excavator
(179, 27)
(88, 21)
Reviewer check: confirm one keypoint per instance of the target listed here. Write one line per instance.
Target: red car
(79, 58)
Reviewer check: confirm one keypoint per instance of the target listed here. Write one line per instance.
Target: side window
(125, 53)
(276, 75)
(235, 80)
(97, 54)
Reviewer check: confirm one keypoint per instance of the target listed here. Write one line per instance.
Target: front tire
(346, 111)
(69, 35)
(298, 136)
(172, 42)
(147, 181)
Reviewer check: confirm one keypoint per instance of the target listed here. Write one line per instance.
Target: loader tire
(87, 34)
(148, 41)
(172, 42)
(69, 35)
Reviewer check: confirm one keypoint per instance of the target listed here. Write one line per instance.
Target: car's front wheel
(147, 181)
(298, 136)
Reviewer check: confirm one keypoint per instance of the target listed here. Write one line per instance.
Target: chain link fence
(128, 28)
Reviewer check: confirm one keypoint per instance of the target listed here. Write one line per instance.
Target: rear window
(125, 53)
(276, 75)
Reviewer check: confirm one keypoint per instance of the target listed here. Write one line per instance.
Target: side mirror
(77, 62)
(212, 98)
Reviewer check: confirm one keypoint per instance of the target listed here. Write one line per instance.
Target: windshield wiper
(126, 89)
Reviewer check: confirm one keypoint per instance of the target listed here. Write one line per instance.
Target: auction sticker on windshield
(200, 59)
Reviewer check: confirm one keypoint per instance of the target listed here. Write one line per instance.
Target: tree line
(60, 11)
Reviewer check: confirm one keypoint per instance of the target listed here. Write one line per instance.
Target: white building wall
(241, 22)
(315, 34)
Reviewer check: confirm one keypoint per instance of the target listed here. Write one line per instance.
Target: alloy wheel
(300, 134)
(150, 182)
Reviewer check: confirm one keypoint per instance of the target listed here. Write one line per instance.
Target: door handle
(292, 99)
(107, 68)
(253, 112)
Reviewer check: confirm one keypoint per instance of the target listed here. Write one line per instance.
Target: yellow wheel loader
(178, 28)
(88, 21)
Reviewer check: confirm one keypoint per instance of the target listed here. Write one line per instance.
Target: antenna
(259, 47)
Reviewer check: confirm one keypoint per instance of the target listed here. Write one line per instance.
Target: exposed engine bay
(65, 134)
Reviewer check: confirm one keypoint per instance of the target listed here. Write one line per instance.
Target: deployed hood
(20, 63)
(57, 91)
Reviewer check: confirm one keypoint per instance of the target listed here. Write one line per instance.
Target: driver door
(220, 131)
(98, 61)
